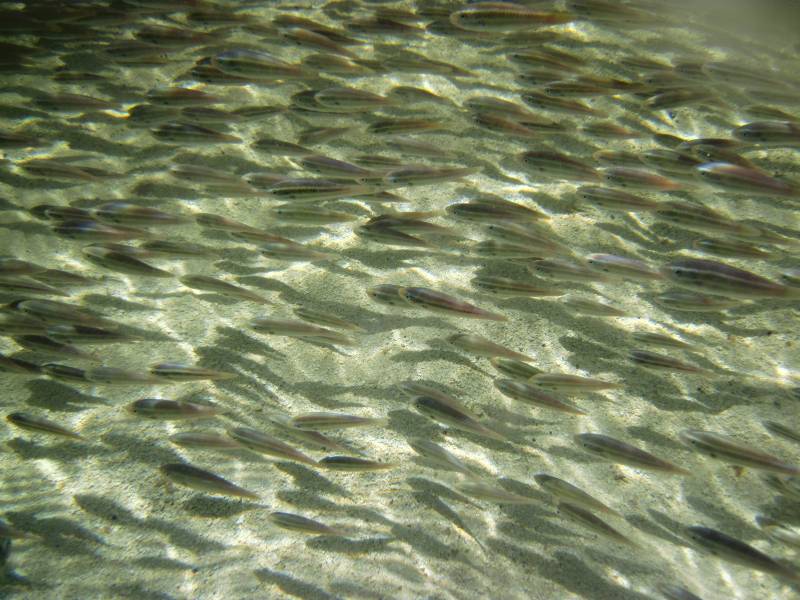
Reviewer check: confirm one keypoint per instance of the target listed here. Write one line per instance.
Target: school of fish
(404, 291)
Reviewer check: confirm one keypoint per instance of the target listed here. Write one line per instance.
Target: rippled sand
(106, 525)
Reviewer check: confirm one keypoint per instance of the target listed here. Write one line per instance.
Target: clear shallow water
(104, 522)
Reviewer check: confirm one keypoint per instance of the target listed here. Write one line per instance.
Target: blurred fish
(322, 421)
(453, 415)
(218, 286)
(262, 443)
(533, 395)
(566, 491)
(616, 451)
(723, 279)
(440, 302)
(302, 524)
(350, 463)
(40, 425)
(204, 481)
(482, 346)
(730, 549)
(157, 408)
(727, 449)
(590, 521)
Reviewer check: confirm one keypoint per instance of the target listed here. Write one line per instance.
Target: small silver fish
(40, 425)
(440, 408)
(157, 408)
(730, 549)
(491, 492)
(440, 302)
(720, 278)
(571, 383)
(294, 522)
(350, 463)
(516, 369)
(301, 330)
(209, 441)
(482, 346)
(729, 450)
(531, 394)
(322, 421)
(262, 443)
(438, 456)
(181, 372)
(651, 360)
(204, 481)
(616, 451)
(218, 286)
(566, 491)
(589, 520)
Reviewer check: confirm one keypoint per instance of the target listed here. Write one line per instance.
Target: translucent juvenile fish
(388, 294)
(779, 531)
(122, 262)
(126, 213)
(694, 302)
(262, 443)
(115, 375)
(516, 369)
(302, 524)
(507, 287)
(63, 372)
(737, 178)
(701, 218)
(571, 383)
(531, 394)
(157, 408)
(616, 451)
(56, 313)
(504, 17)
(590, 521)
(638, 179)
(218, 286)
(443, 303)
(730, 549)
(719, 278)
(770, 133)
(94, 231)
(491, 492)
(255, 65)
(45, 345)
(731, 248)
(421, 175)
(612, 199)
(536, 238)
(350, 98)
(186, 133)
(322, 421)
(676, 592)
(441, 410)
(566, 270)
(309, 216)
(566, 491)
(729, 450)
(307, 190)
(350, 463)
(546, 102)
(782, 430)
(584, 306)
(504, 250)
(300, 329)
(176, 248)
(84, 334)
(18, 366)
(482, 346)
(24, 285)
(313, 438)
(209, 441)
(651, 360)
(40, 425)
(557, 165)
(659, 339)
(204, 481)
(293, 251)
(280, 147)
(438, 456)
(623, 267)
(491, 210)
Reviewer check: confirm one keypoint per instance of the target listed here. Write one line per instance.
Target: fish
(580, 515)
(652, 360)
(516, 369)
(584, 306)
(782, 430)
(302, 524)
(207, 441)
(623, 267)
(504, 17)
(40, 425)
(350, 463)
(749, 180)
(557, 165)
(732, 550)
(727, 449)
(443, 303)
(438, 456)
(571, 383)
(181, 372)
(157, 408)
(616, 451)
(659, 339)
(694, 302)
(613, 199)
(262, 443)
(676, 592)
(388, 294)
(724, 279)
(566, 491)
(115, 375)
(325, 319)
(440, 408)
(204, 481)
(482, 346)
(212, 284)
(301, 330)
(491, 492)
(508, 287)
(533, 395)
(493, 210)
(779, 531)
(322, 421)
